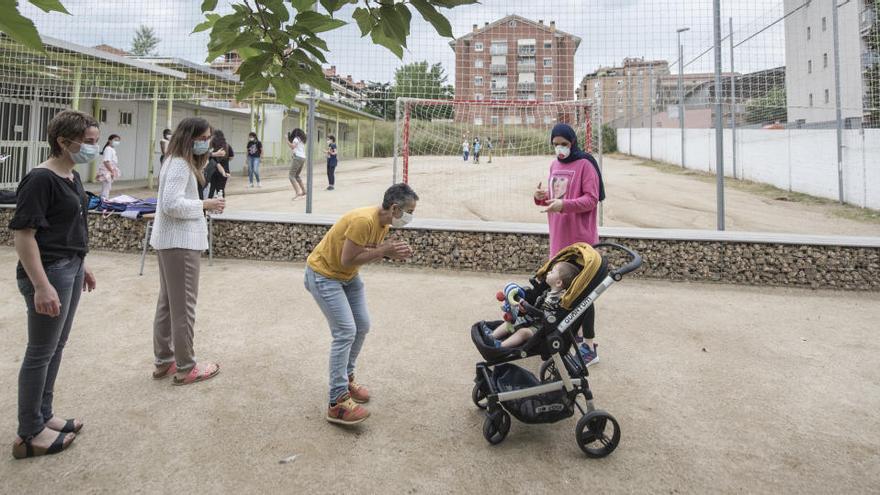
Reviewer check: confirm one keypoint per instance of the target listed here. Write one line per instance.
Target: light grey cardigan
(180, 219)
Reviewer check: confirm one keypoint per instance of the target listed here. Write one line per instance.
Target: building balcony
(498, 69)
(526, 86)
(526, 51)
(498, 51)
(525, 66)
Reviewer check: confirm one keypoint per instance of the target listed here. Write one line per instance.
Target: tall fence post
(835, 33)
(629, 112)
(601, 141)
(732, 101)
(719, 116)
(651, 115)
(310, 140)
(396, 140)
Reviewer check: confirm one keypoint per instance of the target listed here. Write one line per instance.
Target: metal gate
(24, 118)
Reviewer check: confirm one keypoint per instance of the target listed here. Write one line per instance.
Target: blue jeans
(253, 163)
(344, 304)
(46, 339)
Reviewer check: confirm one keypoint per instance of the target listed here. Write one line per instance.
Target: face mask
(562, 151)
(167, 136)
(201, 147)
(252, 139)
(86, 153)
(404, 219)
(114, 144)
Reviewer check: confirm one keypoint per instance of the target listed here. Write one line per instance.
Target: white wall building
(809, 59)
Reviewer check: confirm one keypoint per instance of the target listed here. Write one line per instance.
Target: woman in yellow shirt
(332, 278)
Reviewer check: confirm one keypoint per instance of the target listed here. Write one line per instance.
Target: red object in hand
(508, 317)
(499, 296)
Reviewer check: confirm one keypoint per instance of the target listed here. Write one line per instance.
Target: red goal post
(529, 121)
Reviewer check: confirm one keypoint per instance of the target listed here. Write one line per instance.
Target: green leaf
(448, 4)
(50, 6)
(316, 22)
(314, 51)
(286, 89)
(209, 5)
(256, 84)
(278, 9)
(207, 24)
(430, 14)
(334, 5)
(392, 25)
(380, 39)
(21, 29)
(405, 16)
(302, 5)
(364, 20)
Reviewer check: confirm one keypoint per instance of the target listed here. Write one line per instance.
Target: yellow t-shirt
(360, 226)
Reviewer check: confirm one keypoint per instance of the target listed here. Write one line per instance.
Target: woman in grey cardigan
(180, 236)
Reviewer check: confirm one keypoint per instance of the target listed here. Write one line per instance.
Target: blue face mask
(86, 153)
(201, 147)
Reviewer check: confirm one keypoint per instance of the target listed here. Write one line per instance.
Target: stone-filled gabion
(816, 266)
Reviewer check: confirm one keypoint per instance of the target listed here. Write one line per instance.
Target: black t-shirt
(254, 148)
(58, 209)
(224, 161)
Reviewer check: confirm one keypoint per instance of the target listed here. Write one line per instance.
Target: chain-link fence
(798, 100)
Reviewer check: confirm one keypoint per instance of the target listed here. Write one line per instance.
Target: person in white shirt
(180, 236)
(465, 149)
(108, 171)
(296, 141)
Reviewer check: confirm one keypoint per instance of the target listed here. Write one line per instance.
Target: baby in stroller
(518, 332)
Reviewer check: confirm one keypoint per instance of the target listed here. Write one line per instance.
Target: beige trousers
(176, 309)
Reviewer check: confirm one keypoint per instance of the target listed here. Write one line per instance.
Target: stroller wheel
(495, 427)
(597, 434)
(478, 395)
(548, 371)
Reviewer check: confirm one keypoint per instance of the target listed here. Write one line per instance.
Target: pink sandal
(164, 370)
(198, 375)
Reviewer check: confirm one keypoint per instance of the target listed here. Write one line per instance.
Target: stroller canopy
(583, 255)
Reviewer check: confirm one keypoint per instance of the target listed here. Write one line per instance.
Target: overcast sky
(610, 30)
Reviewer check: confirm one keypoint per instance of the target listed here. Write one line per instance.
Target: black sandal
(70, 427)
(25, 449)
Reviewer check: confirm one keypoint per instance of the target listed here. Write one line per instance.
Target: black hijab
(565, 131)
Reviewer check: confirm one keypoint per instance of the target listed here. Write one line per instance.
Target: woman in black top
(221, 154)
(51, 239)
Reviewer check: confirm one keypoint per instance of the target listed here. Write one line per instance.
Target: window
(478, 121)
(548, 119)
(102, 116)
(811, 99)
(827, 99)
(498, 48)
(478, 96)
(824, 24)
(824, 60)
(494, 120)
(125, 118)
(548, 44)
(548, 96)
(619, 82)
(809, 66)
(478, 81)
(809, 33)
(478, 63)
(499, 83)
(548, 79)
(512, 24)
(478, 46)
(548, 62)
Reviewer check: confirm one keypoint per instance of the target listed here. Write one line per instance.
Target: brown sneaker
(346, 411)
(359, 393)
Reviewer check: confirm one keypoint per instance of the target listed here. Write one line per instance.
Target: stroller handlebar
(634, 263)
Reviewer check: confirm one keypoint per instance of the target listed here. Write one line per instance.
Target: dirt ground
(718, 389)
(638, 196)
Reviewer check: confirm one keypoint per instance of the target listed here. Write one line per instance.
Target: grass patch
(849, 212)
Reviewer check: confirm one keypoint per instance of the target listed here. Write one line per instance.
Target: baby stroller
(504, 389)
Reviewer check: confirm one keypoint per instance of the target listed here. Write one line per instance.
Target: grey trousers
(296, 166)
(46, 339)
(176, 309)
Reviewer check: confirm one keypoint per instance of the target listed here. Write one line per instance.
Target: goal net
(481, 160)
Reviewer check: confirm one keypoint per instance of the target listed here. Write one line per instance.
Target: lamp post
(681, 89)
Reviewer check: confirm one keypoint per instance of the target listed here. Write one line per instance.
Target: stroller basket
(549, 407)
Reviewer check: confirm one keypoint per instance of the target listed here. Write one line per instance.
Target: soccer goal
(481, 160)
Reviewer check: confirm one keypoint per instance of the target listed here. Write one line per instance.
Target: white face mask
(404, 219)
(562, 151)
(87, 153)
(114, 143)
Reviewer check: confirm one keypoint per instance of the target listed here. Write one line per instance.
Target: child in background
(331, 161)
(109, 169)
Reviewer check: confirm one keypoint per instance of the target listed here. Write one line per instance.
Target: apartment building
(514, 61)
(809, 58)
(622, 93)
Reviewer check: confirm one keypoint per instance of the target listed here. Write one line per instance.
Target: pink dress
(577, 184)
